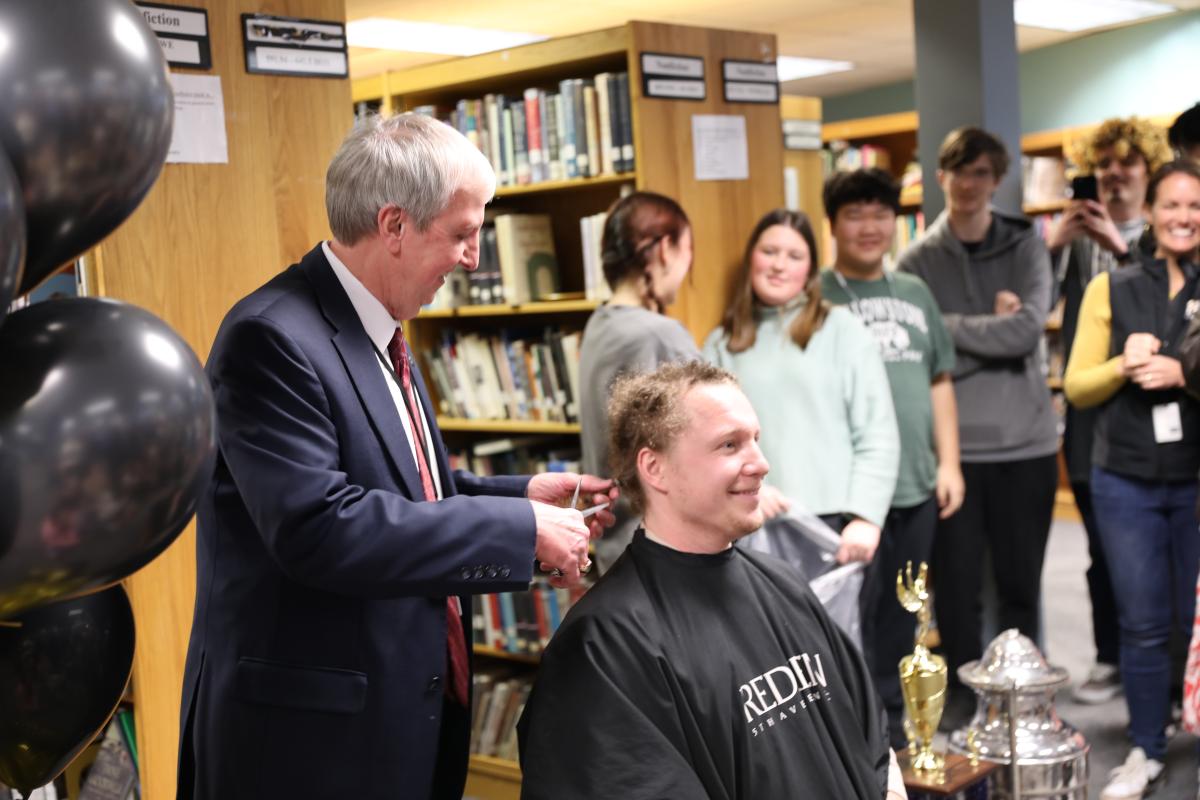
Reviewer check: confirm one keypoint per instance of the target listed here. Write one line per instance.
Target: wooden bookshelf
(525, 309)
(568, 185)
(806, 163)
(506, 426)
(504, 655)
(722, 212)
(493, 778)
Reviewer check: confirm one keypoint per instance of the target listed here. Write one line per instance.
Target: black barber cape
(701, 676)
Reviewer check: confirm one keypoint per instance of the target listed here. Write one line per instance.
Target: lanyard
(887, 277)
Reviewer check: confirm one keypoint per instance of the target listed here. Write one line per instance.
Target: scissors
(587, 512)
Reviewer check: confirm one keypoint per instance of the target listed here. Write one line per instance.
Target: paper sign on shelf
(719, 147)
(199, 133)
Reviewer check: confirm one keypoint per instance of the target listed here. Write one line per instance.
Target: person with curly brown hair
(1093, 237)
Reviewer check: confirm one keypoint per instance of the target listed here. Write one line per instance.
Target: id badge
(1168, 427)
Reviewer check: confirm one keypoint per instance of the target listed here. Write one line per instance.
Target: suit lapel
(362, 365)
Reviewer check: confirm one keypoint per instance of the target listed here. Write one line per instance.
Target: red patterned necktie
(456, 642)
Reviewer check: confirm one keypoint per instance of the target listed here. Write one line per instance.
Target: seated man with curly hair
(694, 668)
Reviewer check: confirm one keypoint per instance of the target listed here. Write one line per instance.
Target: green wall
(1143, 69)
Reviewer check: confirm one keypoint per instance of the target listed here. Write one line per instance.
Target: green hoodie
(828, 428)
(1004, 408)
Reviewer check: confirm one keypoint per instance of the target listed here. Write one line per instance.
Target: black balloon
(86, 112)
(108, 416)
(12, 235)
(63, 668)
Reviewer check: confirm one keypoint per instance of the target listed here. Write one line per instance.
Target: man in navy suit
(328, 655)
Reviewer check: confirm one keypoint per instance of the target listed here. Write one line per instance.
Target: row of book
(583, 130)
(521, 455)
(498, 701)
(518, 263)
(522, 622)
(507, 375)
(841, 156)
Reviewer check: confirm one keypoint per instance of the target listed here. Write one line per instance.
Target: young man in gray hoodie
(991, 277)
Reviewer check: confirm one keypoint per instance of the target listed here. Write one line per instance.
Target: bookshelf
(722, 214)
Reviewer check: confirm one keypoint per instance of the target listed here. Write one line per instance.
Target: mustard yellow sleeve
(1092, 377)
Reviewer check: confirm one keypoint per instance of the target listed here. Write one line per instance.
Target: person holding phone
(1098, 232)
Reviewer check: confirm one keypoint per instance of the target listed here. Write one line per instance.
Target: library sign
(750, 81)
(672, 77)
(182, 33)
(291, 46)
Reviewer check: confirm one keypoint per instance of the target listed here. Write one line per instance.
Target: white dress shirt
(380, 326)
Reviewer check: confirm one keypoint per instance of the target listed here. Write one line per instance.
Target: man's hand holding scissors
(563, 533)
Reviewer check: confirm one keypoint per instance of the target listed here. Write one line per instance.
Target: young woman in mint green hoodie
(817, 383)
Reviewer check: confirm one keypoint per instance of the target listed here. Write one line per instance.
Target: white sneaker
(1103, 683)
(1133, 779)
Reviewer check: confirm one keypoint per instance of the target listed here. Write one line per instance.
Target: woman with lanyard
(646, 250)
(817, 383)
(1145, 456)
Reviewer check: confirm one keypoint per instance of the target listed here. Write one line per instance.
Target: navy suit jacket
(317, 660)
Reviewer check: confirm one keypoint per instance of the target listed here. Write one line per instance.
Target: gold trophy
(922, 676)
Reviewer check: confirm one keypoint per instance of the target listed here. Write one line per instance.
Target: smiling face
(864, 233)
(779, 265)
(1175, 216)
(421, 260)
(706, 484)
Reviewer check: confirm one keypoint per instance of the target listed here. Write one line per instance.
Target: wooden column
(807, 163)
(205, 236)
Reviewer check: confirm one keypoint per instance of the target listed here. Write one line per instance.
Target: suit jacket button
(466, 573)
(492, 572)
(504, 572)
(479, 573)
(435, 683)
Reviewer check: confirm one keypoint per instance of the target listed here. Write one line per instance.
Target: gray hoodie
(1004, 408)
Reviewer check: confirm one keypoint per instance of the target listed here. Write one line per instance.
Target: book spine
(593, 130)
(581, 141)
(603, 127)
(566, 93)
(533, 134)
(626, 120)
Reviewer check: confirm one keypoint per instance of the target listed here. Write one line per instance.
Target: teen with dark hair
(916, 349)
(646, 253)
(817, 383)
(990, 275)
(1126, 361)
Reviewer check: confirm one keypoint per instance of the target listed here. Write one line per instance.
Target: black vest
(1124, 439)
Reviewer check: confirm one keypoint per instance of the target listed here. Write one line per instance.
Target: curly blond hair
(1122, 135)
(646, 410)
